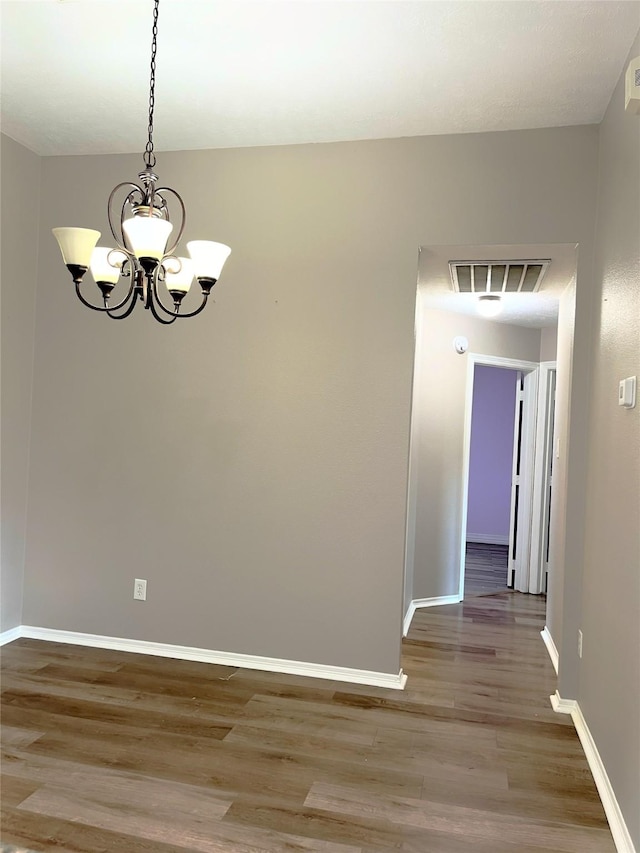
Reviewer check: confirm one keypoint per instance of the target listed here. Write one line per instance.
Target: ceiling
(240, 73)
(533, 310)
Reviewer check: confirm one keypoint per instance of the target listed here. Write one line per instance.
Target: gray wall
(610, 666)
(20, 210)
(252, 463)
(438, 453)
(548, 343)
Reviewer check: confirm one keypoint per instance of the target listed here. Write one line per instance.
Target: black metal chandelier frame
(146, 274)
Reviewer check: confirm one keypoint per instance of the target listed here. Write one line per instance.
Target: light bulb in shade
(76, 244)
(178, 280)
(106, 264)
(147, 236)
(489, 305)
(208, 258)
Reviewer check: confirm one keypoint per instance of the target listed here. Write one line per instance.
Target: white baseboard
(551, 647)
(487, 538)
(619, 830)
(617, 824)
(562, 706)
(418, 603)
(291, 667)
(10, 635)
(408, 616)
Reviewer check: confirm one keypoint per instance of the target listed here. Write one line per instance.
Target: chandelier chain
(149, 155)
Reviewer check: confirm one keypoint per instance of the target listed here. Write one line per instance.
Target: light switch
(627, 392)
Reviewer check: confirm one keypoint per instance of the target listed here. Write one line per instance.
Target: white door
(541, 517)
(549, 470)
(547, 510)
(516, 514)
(522, 480)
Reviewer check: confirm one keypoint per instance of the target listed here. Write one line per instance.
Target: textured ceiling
(236, 73)
(534, 310)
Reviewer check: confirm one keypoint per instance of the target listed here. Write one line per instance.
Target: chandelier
(142, 228)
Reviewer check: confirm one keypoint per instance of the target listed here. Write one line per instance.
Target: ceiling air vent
(497, 276)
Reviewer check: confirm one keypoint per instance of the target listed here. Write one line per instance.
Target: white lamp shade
(208, 257)
(489, 306)
(76, 244)
(178, 280)
(106, 264)
(147, 236)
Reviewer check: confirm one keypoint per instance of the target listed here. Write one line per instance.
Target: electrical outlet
(140, 589)
(579, 643)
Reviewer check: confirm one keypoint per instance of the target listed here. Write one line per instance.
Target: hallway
(485, 569)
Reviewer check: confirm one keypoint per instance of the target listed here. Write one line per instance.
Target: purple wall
(492, 416)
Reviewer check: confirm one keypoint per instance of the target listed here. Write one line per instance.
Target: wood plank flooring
(485, 569)
(109, 751)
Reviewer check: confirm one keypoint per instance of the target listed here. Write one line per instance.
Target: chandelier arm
(153, 300)
(124, 314)
(125, 300)
(177, 314)
(201, 307)
(158, 317)
(156, 298)
(120, 238)
(108, 307)
(174, 245)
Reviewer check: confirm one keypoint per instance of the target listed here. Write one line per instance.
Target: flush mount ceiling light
(489, 305)
(141, 230)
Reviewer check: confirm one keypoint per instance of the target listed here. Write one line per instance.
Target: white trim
(525, 504)
(419, 603)
(499, 361)
(166, 650)
(10, 635)
(551, 647)
(408, 617)
(541, 476)
(562, 706)
(488, 538)
(435, 602)
(619, 830)
(466, 462)
(518, 437)
(621, 835)
(412, 479)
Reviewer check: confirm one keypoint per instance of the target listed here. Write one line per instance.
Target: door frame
(542, 475)
(528, 445)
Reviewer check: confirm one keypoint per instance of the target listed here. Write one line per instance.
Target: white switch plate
(140, 589)
(627, 392)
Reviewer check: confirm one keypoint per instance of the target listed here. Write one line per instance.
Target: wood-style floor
(485, 569)
(109, 751)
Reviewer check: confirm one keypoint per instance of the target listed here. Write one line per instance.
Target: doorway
(489, 487)
(434, 537)
(502, 400)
